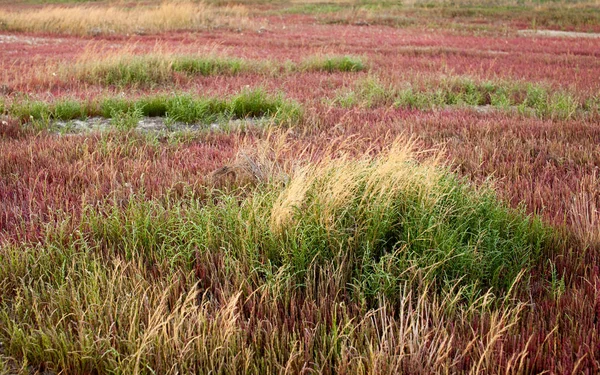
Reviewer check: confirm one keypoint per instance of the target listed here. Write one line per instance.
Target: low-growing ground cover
(407, 189)
(177, 108)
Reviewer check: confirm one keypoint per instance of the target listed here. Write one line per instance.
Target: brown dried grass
(98, 20)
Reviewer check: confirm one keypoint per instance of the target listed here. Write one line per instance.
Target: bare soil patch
(558, 34)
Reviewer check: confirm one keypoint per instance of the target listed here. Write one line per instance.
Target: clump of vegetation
(390, 217)
(187, 109)
(387, 219)
(214, 66)
(183, 108)
(148, 70)
(559, 105)
(126, 120)
(68, 109)
(153, 284)
(334, 64)
(129, 69)
(459, 91)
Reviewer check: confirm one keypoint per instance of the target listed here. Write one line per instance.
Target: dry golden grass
(95, 64)
(335, 182)
(96, 20)
(117, 318)
(584, 214)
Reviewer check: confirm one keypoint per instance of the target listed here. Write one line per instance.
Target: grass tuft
(182, 108)
(129, 69)
(527, 99)
(334, 64)
(388, 219)
(126, 69)
(209, 66)
(126, 120)
(399, 217)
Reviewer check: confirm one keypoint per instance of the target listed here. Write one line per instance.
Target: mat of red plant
(270, 187)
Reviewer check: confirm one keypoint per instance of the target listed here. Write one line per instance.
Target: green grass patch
(68, 109)
(313, 9)
(184, 108)
(126, 120)
(156, 69)
(334, 64)
(389, 220)
(525, 98)
(148, 70)
(212, 66)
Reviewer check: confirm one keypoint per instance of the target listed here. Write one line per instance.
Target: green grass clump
(527, 99)
(248, 103)
(536, 99)
(153, 106)
(369, 92)
(68, 110)
(183, 108)
(559, 105)
(334, 64)
(389, 220)
(374, 93)
(209, 66)
(155, 69)
(403, 219)
(257, 103)
(413, 99)
(110, 106)
(30, 110)
(149, 70)
(563, 106)
(136, 70)
(126, 120)
(187, 109)
(313, 9)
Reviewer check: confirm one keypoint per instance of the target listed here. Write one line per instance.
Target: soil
(558, 34)
(151, 124)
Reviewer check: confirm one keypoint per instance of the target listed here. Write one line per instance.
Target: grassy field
(341, 187)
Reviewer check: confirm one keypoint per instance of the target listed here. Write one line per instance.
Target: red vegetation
(544, 165)
(561, 62)
(47, 178)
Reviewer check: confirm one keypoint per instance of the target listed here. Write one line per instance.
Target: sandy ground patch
(558, 34)
(151, 124)
(34, 41)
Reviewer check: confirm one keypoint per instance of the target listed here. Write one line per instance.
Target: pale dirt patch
(33, 41)
(558, 34)
(152, 124)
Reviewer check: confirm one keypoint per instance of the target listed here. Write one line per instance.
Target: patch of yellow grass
(340, 182)
(96, 20)
(584, 214)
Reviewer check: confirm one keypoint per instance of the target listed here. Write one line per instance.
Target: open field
(296, 187)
